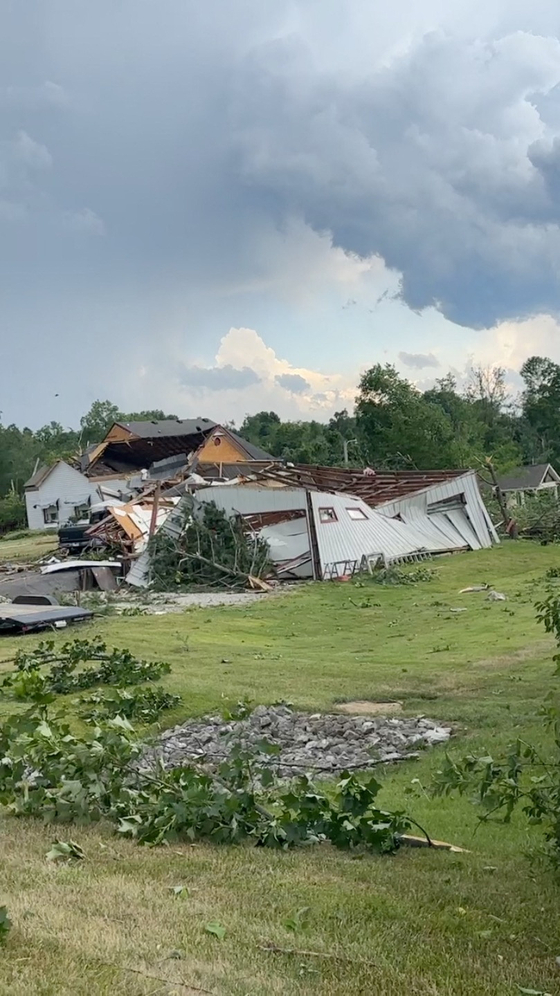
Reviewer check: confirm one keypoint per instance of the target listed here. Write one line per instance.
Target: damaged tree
(210, 549)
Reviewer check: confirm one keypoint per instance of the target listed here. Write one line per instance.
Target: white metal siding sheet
(478, 514)
(463, 526)
(349, 539)
(288, 541)
(435, 531)
(247, 500)
(413, 507)
(139, 572)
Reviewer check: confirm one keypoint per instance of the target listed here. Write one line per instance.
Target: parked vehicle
(74, 535)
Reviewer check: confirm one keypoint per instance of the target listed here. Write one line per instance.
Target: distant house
(517, 484)
(56, 494)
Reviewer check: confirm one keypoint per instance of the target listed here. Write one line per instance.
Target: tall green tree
(541, 407)
(397, 426)
(259, 429)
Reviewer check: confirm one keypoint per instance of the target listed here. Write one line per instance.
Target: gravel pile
(315, 743)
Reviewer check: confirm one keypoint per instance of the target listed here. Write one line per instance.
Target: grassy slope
(425, 923)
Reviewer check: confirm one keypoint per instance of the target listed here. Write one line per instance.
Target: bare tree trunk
(506, 517)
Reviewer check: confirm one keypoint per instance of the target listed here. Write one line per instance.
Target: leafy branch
(523, 777)
(48, 772)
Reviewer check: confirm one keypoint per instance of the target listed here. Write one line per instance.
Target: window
(356, 513)
(327, 515)
(81, 511)
(50, 514)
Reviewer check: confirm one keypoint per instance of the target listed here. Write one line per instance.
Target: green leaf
(64, 851)
(216, 930)
(298, 920)
(179, 890)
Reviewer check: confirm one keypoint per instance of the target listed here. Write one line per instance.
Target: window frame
(356, 514)
(47, 509)
(330, 520)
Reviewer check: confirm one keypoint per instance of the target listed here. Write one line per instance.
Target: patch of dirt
(362, 707)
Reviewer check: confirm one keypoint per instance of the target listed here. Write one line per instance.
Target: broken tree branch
(156, 978)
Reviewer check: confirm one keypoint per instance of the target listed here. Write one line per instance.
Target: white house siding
(64, 485)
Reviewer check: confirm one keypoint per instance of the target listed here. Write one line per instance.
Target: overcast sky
(219, 207)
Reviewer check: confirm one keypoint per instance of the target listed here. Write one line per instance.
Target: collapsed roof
(130, 447)
(374, 487)
(326, 535)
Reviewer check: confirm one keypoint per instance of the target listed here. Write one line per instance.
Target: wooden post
(315, 557)
(155, 507)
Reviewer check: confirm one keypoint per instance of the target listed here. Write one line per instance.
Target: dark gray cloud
(145, 161)
(293, 382)
(430, 162)
(218, 378)
(418, 360)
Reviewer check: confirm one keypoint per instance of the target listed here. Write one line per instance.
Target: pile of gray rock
(318, 744)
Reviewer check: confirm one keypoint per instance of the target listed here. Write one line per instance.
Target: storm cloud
(224, 378)
(293, 382)
(444, 163)
(155, 173)
(418, 361)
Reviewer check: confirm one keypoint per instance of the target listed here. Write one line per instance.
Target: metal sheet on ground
(23, 618)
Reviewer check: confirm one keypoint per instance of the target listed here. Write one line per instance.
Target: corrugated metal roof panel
(477, 524)
(245, 499)
(351, 539)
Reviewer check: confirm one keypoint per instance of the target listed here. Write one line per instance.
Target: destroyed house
(57, 493)
(327, 523)
(132, 447)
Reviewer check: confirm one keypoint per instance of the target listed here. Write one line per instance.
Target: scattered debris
(128, 602)
(65, 851)
(321, 743)
(409, 840)
(474, 587)
(496, 596)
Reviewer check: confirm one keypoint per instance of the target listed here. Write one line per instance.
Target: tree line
(394, 426)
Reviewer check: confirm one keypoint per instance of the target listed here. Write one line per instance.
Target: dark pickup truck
(74, 536)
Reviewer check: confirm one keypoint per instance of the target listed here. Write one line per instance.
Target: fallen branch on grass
(301, 953)
(156, 978)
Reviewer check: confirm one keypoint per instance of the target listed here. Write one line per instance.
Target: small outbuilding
(533, 479)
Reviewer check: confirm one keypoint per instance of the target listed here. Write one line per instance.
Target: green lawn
(427, 923)
(27, 546)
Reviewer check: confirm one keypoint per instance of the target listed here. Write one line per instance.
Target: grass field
(27, 546)
(426, 923)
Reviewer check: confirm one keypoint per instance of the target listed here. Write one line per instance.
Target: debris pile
(315, 743)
